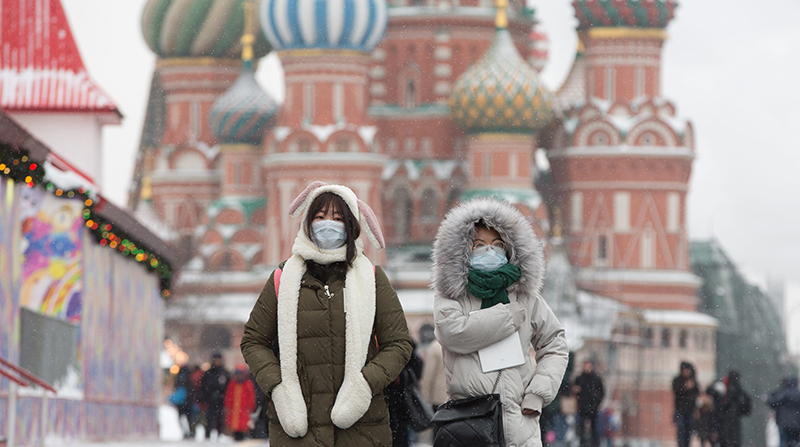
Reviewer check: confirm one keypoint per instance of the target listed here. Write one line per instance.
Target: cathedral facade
(418, 105)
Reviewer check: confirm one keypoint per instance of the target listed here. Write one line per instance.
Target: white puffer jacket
(463, 328)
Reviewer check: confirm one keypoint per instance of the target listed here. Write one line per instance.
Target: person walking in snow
(487, 274)
(731, 404)
(786, 403)
(589, 390)
(338, 329)
(686, 390)
(213, 385)
(240, 402)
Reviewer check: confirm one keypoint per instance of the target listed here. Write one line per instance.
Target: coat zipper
(328, 292)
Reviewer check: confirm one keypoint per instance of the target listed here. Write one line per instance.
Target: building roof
(67, 177)
(40, 66)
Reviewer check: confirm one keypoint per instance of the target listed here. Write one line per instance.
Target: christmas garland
(19, 167)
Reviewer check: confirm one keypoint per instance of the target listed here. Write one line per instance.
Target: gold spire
(501, 20)
(248, 39)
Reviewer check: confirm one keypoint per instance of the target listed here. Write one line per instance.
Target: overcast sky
(731, 68)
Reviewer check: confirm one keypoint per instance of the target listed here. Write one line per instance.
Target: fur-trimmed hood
(452, 248)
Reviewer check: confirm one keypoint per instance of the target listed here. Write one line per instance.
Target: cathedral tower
(622, 160)
(323, 131)
(501, 104)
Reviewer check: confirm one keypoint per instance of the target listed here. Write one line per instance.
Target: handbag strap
(494, 388)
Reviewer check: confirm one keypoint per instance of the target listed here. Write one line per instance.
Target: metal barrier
(20, 377)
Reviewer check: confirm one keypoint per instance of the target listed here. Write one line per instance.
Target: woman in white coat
(488, 272)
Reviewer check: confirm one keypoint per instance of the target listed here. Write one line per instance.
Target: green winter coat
(321, 359)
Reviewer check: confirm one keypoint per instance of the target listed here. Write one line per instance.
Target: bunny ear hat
(366, 217)
(355, 395)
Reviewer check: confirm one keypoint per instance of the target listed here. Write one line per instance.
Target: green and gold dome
(198, 28)
(501, 92)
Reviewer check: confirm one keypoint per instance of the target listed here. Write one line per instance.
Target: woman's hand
(529, 412)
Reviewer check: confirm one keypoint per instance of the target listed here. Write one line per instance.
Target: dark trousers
(594, 434)
(684, 424)
(238, 436)
(214, 419)
(792, 437)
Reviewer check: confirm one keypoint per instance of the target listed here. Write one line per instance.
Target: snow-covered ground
(171, 435)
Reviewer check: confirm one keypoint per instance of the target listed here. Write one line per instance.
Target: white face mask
(488, 258)
(328, 234)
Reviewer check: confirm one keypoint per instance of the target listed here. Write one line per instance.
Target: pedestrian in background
(488, 272)
(240, 402)
(214, 384)
(181, 397)
(731, 404)
(705, 427)
(338, 327)
(588, 387)
(786, 403)
(198, 408)
(686, 391)
(396, 393)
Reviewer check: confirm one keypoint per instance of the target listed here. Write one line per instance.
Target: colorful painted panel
(53, 243)
(9, 274)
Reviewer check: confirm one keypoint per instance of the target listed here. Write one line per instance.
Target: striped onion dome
(243, 113)
(501, 93)
(198, 28)
(324, 24)
(624, 13)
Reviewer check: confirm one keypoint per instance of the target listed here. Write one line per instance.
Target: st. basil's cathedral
(418, 105)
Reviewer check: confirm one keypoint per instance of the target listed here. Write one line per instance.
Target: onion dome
(624, 13)
(501, 92)
(242, 113)
(324, 24)
(197, 28)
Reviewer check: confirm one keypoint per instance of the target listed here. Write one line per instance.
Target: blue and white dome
(324, 24)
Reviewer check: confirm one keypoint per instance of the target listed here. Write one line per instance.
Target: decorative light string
(19, 167)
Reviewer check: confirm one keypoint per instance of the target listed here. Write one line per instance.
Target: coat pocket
(378, 411)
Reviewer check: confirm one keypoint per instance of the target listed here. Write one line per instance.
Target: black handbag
(470, 422)
(418, 411)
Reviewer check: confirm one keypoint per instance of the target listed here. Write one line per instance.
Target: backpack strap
(277, 281)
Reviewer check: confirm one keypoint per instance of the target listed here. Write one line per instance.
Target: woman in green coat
(326, 340)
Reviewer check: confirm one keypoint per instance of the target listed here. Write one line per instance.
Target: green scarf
(491, 286)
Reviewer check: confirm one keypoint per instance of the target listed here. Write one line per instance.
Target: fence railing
(20, 377)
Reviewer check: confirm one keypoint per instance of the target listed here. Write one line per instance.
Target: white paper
(505, 353)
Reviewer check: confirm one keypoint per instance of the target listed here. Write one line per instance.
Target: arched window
(429, 204)
(452, 198)
(411, 93)
(402, 212)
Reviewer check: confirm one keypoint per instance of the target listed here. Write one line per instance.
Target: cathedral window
(411, 93)
(576, 212)
(602, 248)
(429, 205)
(622, 212)
(195, 118)
(338, 102)
(673, 212)
(402, 213)
(683, 338)
(308, 102)
(666, 338)
(648, 248)
(342, 145)
(452, 198)
(303, 145)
